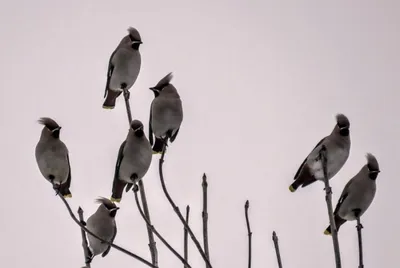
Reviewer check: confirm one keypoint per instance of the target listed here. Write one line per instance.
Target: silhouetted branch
(157, 233)
(360, 245)
(152, 243)
(276, 244)
(328, 198)
(185, 237)
(133, 255)
(176, 209)
(205, 217)
(246, 212)
(84, 241)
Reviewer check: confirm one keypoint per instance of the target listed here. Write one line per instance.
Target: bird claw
(135, 188)
(127, 94)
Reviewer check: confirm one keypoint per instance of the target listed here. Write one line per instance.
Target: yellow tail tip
(108, 107)
(154, 152)
(115, 200)
(68, 196)
(292, 189)
(326, 232)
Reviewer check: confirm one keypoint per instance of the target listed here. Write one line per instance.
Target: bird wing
(117, 182)
(64, 189)
(343, 196)
(150, 129)
(174, 135)
(112, 240)
(109, 73)
(305, 160)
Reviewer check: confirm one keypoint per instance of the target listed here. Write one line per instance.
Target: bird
(123, 67)
(133, 162)
(52, 157)
(337, 149)
(166, 114)
(101, 223)
(357, 195)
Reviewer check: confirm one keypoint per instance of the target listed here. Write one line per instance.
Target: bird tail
(117, 190)
(111, 97)
(158, 146)
(338, 222)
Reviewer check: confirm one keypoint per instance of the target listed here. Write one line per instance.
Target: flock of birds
(166, 115)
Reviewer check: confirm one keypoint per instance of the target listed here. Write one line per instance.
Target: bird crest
(106, 202)
(342, 120)
(372, 162)
(164, 81)
(49, 123)
(134, 34)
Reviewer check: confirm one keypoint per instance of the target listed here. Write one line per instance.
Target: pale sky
(261, 83)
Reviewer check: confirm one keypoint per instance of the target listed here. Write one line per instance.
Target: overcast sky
(261, 83)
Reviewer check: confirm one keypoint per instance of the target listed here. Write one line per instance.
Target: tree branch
(205, 217)
(360, 245)
(278, 254)
(185, 237)
(84, 241)
(152, 243)
(133, 255)
(328, 198)
(246, 212)
(176, 209)
(157, 233)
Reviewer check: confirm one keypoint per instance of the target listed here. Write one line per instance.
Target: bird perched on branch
(134, 159)
(52, 157)
(357, 195)
(123, 67)
(337, 146)
(102, 223)
(166, 114)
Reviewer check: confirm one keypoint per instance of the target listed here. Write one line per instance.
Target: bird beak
(114, 209)
(152, 88)
(139, 128)
(56, 129)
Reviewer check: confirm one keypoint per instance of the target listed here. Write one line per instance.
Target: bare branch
(157, 233)
(152, 243)
(328, 198)
(205, 217)
(360, 245)
(276, 244)
(185, 237)
(84, 241)
(133, 255)
(176, 209)
(246, 212)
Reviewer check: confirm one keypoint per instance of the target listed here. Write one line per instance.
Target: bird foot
(329, 191)
(359, 226)
(135, 188)
(127, 94)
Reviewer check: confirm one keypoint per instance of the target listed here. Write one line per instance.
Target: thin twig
(278, 253)
(133, 255)
(246, 212)
(185, 237)
(157, 233)
(205, 218)
(152, 243)
(360, 245)
(84, 241)
(328, 198)
(176, 209)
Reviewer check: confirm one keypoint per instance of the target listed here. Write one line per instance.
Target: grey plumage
(52, 157)
(102, 223)
(123, 67)
(337, 146)
(134, 159)
(166, 113)
(358, 194)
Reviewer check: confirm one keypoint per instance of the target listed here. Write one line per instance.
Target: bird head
(109, 205)
(137, 128)
(373, 166)
(134, 38)
(343, 124)
(50, 127)
(165, 81)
